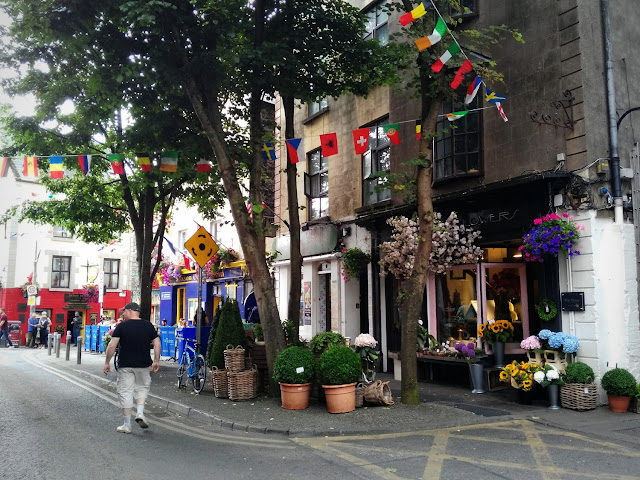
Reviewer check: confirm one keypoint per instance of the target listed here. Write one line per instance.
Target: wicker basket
(234, 359)
(359, 395)
(378, 393)
(579, 396)
(219, 383)
(243, 385)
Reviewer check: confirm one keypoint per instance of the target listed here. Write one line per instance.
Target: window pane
(473, 142)
(370, 22)
(460, 143)
(324, 103)
(315, 207)
(382, 34)
(366, 164)
(472, 122)
(384, 159)
(314, 162)
(324, 163)
(461, 164)
(368, 194)
(474, 162)
(447, 167)
(324, 182)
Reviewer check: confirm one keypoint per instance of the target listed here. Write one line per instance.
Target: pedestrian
(4, 328)
(44, 325)
(76, 325)
(31, 330)
(133, 336)
(164, 322)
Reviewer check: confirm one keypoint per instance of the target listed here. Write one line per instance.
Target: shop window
(377, 23)
(374, 161)
(317, 185)
(457, 147)
(111, 273)
(60, 271)
(457, 305)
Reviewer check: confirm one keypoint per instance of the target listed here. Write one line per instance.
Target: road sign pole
(199, 308)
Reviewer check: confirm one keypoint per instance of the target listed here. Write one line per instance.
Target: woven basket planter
(359, 395)
(378, 393)
(243, 385)
(234, 359)
(579, 396)
(219, 383)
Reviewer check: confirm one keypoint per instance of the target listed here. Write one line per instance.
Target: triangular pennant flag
(144, 162)
(361, 140)
(453, 50)
(203, 165)
(169, 161)
(418, 129)
(329, 144)
(170, 245)
(392, 132)
(472, 90)
(456, 115)
(4, 166)
(435, 37)
(116, 163)
(56, 169)
(414, 14)
(501, 110)
(465, 68)
(268, 151)
(30, 167)
(493, 97)
(84, 161)
(294, 148)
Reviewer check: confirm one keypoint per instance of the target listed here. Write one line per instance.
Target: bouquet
(531, 343)
(365, 345)
(520, 374)
(548, 375)
(558, 341)
(496, 331)
(468, 351)
(551, 234)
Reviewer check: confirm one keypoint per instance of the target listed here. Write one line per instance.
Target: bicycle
(194, 365)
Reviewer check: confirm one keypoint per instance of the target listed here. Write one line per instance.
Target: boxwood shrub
(338, 366)
(619, 383)
(289, 361)
(579, 372)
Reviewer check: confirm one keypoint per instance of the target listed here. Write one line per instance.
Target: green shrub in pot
(339, 365)
(324, 340)
(294, 365)
(579, 372)
(619, 383)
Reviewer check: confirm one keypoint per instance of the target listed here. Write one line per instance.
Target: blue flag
(268, 152)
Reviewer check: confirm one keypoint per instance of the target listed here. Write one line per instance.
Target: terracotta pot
(618, 404)
(295, 396)
(340, 398)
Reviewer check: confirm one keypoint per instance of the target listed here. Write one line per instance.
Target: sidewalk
(441, 406)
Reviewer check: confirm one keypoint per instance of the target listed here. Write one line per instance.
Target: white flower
(538, 377)
(552, 374)
(365, 340)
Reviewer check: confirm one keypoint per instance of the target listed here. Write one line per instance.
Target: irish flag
(414, 14)
(169, 161)
(435, 37)
(453, 50)
(55, 167)
(453, 116)
(30, 167)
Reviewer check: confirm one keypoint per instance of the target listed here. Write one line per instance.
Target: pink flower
(565, 215)
(537, 221)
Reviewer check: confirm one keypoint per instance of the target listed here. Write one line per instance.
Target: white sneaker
(124, 429)
(142, 421)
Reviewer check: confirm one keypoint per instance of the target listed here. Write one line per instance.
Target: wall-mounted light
(346, 231)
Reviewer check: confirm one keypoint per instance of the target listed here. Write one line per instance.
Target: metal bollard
(68, 349)
(49, 343)
(56, 340)
(79, 353)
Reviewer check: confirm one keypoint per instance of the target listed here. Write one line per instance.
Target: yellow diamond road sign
(201, 247)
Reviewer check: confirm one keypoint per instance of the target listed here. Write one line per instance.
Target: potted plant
(620, 385)
(294, 369)
(258, 333)
(339, 369)
(476, 369)
(555, 346)
(354, 261)
(533, 348)
(551, 234)
(323, 340)
(549, 377)
(365, 347)
(496, 333)
(579, 392)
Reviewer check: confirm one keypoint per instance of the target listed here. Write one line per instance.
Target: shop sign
(74, 298)
(572, 301)
(165, 296)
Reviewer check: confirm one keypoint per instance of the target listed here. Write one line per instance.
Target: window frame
(55, 271)
(60, 232)
(374, 151)
(373, 11)
(309, 185)
(108, 275)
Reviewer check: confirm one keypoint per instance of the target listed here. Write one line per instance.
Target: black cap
(131, 306)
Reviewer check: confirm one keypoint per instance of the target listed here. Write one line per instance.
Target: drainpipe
(610, 91)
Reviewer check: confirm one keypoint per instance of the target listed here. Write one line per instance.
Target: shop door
(324, 305)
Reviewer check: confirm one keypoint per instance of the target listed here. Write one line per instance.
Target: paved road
(73, 419)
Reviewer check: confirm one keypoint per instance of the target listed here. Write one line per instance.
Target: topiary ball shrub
(579, 372)
(230, 331)
(338, 366)
(323, 340)
(619, 383)
(290, 361)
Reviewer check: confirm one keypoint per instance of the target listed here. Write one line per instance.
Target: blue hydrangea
(570, 344)
(544, 334)
(556, 340)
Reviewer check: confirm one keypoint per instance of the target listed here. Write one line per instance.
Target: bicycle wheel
(181, 371)
(200, 375)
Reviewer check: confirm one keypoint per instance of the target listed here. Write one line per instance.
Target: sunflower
(481, 328)
(525, 366)
(495, 328)
(526, 384)
(504, 376)
(480, 334)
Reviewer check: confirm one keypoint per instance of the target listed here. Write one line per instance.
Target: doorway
(324, 303)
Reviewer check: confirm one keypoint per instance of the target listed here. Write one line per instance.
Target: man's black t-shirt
(135, 336)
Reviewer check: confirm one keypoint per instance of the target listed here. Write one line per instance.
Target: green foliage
(354, 261)
(289, 361)
(324, 340)
(579, 372)
(619, 382)
(338, 366)
(425, 339)
(212, 333)
(258, 334)
(289, 333)
(230, 331)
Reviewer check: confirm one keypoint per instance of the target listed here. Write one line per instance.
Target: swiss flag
(361, 140)
(329, 144)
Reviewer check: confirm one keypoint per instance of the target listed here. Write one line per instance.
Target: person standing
(133, 336)
(4, 327)
(76, 325)
(31, 330)
(44, 325)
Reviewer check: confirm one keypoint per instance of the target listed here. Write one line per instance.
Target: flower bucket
(476, 371)
(340, 398)
(498, 354)
(295, 396)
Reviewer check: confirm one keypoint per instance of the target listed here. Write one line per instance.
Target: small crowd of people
(38, 329)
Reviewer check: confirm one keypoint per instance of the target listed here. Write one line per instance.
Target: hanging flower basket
(551, 235)
(354, 262)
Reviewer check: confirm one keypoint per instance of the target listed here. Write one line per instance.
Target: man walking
(4, 327)
(76, 325)
(133, 336)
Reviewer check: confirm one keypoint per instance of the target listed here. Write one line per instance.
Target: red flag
(187, 263)
(4, 166)
(30, 167)
(203, 165)
(361, 140)
(418, 129)
(329, 144)
(116, 163)
(465, 68)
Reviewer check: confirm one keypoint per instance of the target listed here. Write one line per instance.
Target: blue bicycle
(193, 364)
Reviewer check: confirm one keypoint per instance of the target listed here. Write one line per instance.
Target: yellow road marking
(437, 455)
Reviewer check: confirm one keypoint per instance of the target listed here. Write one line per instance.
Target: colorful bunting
(84, 161)
(465, 68)
(501, 110)
(453, 50)
(418, 129)
(4, 166)
(30, 167)
(187, 263)
(268, 151)
(493, 97)
(56, 169)
(169, 161)
(472, 90)
(116, 163)
(453, 116)
(329, 144)
(414, 14)
(295, 150)
(203, 165)
(425, 42)
(392, 132)
(361, 140)
(144, 161)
